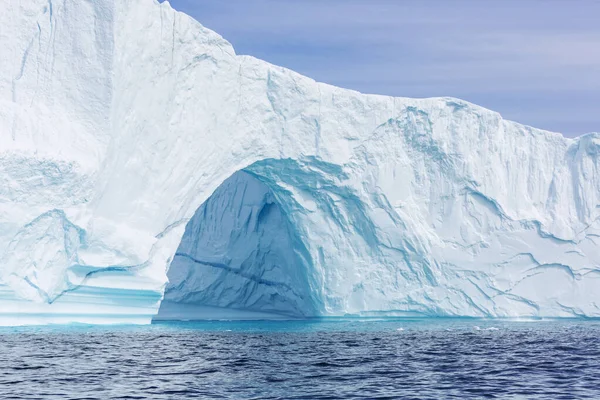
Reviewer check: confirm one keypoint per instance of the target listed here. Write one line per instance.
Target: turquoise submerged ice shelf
(119, 120)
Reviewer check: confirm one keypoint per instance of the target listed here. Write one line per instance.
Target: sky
(536, 62)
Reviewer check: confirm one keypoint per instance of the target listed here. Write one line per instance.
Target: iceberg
(141, 158)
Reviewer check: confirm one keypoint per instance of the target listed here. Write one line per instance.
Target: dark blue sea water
(332, 359)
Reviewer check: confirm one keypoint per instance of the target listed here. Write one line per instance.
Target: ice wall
(119, 119)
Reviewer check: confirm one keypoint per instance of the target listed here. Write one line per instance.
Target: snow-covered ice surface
(120, 118)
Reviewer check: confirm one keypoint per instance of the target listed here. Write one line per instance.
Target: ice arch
(119, 118)
(284, 237)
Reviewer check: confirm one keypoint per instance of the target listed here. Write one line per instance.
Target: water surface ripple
(345, 359)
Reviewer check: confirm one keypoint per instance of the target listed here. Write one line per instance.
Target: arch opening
(240, 258)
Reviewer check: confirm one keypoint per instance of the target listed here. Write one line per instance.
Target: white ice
(120, 118)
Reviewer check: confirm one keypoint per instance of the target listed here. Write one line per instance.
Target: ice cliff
(119, 119)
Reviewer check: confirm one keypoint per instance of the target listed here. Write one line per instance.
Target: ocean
(338, 358)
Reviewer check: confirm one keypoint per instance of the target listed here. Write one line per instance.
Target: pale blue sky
(535, 61)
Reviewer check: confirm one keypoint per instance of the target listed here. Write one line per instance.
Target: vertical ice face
(119, 119)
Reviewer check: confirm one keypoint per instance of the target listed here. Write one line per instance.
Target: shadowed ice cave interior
(239, 258)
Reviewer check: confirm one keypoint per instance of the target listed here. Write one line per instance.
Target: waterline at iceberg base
(141, 157)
